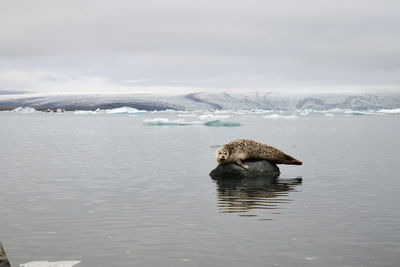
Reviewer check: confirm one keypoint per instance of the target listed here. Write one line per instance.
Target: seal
(241, 149)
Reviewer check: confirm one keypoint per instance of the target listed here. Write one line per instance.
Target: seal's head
(222, 155)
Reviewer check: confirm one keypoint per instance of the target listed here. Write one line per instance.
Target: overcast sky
(71, 46)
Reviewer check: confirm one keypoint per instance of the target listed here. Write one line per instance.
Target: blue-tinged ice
(24, 110)
(167, 122)
(219, 123)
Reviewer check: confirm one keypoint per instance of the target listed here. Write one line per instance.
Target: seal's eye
(225, 153)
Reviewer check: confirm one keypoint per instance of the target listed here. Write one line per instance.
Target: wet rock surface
(3, 258)
(257, 169)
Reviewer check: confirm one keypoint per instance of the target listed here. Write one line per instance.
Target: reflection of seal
(245, 195)
(242, 149)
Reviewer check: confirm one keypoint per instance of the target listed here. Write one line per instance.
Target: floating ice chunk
(390, 111)
(49, 264)
(165, 110)
(252, 111)
(165, 121)
(84, 112)
(338, 110)
(273, 116)
(100, 111)
(277, 116)
(306, 111)
(211, 117)
(261, 111)
(124, 110)
(218, 123)
(361, 112)
(223, 111)
(24, 110)
(329, 115)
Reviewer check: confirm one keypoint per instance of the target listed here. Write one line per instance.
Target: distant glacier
(205, 101)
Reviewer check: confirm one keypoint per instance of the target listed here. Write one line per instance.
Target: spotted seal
(241, 149)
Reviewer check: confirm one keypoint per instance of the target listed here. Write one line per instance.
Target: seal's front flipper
(240, 163)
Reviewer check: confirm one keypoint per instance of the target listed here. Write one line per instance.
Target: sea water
(110, 189)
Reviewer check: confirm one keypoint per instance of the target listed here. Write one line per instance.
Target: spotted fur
(242, 149)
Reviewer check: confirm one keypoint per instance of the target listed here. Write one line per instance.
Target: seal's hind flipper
(290, 160)
(296, 162)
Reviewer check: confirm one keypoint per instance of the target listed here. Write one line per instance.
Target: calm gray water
(108, 190)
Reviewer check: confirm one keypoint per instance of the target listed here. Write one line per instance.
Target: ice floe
(49, 264)
(85, 112)
(390, 111)
(261, 111)
(243, 111)
(167, 111)
(24, 110)
(219, 123)
(124, 110)
(277, 116)
(165, 121)
(223, 111)
(360, 112)
(211, 117)
(181, 122)
(121, 110)
(252, 111)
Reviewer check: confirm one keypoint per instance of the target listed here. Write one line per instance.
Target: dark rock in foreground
(3, 258)
(257, 169)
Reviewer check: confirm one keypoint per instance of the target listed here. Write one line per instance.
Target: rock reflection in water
(245, 195)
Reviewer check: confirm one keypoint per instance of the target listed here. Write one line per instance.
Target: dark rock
(257, 169)
(3, 258)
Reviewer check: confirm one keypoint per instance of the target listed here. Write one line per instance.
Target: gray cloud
(200, 44)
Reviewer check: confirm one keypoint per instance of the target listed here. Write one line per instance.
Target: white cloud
(127, 45)
(52, 82)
